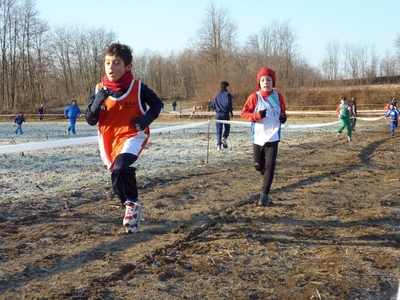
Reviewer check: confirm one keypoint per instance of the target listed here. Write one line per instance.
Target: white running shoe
(132, 213)
(135, 227)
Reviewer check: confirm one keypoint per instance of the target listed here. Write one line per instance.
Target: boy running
(123, 108)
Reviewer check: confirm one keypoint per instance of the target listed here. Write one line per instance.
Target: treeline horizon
(40, 64)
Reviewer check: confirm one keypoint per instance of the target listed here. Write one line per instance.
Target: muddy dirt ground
(333, 232)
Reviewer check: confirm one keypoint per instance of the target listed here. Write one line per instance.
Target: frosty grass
(70, 168)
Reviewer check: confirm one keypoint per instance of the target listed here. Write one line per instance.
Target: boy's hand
(141, 123)
(101, 95)
(263, 113)
(282, 119)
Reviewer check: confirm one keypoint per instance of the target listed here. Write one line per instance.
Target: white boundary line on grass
(93, 139)
(79, 141)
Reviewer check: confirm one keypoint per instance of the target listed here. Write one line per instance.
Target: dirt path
(333, 232)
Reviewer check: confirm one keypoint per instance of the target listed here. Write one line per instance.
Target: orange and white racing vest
(116, 132)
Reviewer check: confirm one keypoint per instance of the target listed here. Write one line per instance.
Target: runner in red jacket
(267, 111)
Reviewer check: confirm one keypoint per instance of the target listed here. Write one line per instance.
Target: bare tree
(8, 56)
(275, 46)
(61, 42)
(362, 55)
(259, 46)
(186, 63)
(388, 65)
(77, 60)
(361, 61)
(216, 37)
(352, 61)
(397, 44)
(39, 63)
(372, 68)
(284, 48)
(41, 54)
(330, 64)
(31, 32)
(397, 50)
(89, 45)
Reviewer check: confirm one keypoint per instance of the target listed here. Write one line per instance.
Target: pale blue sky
(168, 25)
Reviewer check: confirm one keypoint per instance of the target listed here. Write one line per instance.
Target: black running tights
(265, 161)
(123, 177)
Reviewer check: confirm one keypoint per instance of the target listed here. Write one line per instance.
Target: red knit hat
(266, 71)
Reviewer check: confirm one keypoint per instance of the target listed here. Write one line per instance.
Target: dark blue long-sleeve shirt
(19, 119)
(223, 104)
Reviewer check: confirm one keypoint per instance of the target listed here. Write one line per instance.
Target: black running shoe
(265, 200)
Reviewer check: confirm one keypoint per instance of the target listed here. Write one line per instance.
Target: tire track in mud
(176, 242)
(167, 255)
(222, 217)
(60, 263)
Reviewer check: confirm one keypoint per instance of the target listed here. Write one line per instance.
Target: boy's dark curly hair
(120, 50)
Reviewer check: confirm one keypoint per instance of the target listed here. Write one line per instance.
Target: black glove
(282, 119)
(231, 114)
(101, 95)
(141, 123)
(263, 113)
